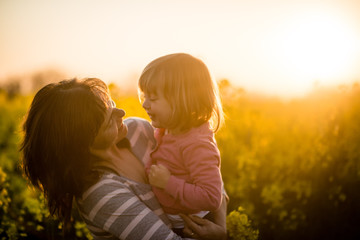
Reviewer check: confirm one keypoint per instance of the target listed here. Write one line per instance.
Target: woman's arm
(113, 207)
(204, 229)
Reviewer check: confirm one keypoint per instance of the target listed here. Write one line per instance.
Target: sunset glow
(318, 47)
(274, 47)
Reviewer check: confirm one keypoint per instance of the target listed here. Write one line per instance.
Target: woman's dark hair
(59, 129)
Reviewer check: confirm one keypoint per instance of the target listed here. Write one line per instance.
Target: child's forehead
(154, 85)
(152, 92)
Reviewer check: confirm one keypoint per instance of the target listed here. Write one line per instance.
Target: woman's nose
(119, 112)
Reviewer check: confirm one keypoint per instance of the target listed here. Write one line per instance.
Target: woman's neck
(123, 162)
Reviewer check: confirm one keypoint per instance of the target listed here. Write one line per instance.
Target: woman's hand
(199, 228)
(159, 176)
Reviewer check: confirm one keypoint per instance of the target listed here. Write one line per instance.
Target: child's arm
(158, 175)
(204, 192)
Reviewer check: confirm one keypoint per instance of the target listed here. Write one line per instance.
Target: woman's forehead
(112, 103)
(109, 110)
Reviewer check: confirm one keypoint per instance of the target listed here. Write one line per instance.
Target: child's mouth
(151, 116)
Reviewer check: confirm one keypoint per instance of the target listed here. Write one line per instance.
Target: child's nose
(146, 104)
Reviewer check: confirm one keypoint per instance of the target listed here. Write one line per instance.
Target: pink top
(194, 162)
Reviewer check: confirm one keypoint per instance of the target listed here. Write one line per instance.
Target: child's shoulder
(198, 135)
(200, 132)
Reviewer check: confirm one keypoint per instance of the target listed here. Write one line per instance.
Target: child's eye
(153, 97)
(149, 97)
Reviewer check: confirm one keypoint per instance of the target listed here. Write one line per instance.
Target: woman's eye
(110, 121)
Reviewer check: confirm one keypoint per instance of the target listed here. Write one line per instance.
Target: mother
(77, 146)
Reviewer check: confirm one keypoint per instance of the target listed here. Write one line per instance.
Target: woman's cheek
(122, 132)
(115, 131)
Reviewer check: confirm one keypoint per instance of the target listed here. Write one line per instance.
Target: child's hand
(159, 176)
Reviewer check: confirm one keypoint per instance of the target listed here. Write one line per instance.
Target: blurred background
(276, 47)
(288, 73)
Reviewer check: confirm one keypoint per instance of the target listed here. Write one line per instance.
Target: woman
(76, 146)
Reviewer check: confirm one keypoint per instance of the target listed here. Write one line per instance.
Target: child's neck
(175, 131)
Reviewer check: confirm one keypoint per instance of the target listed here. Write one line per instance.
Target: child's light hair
(187, 85)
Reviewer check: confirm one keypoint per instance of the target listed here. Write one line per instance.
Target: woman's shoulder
(141, 137)
(107, 183)
(135, 121)
(138, 125)
(110, 185)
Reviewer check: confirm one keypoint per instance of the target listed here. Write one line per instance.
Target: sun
(316, 47)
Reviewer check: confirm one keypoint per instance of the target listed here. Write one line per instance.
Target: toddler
(183, 103)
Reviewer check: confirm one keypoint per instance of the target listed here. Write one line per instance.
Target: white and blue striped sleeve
(111, 206)
(141, 137)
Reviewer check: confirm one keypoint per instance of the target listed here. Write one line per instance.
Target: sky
(275, 47)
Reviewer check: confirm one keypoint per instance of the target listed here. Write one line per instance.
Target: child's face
(158, 109)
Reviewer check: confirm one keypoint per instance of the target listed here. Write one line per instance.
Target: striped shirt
(119, 208)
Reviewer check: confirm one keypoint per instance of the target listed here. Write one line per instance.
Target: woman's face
(112, 129)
